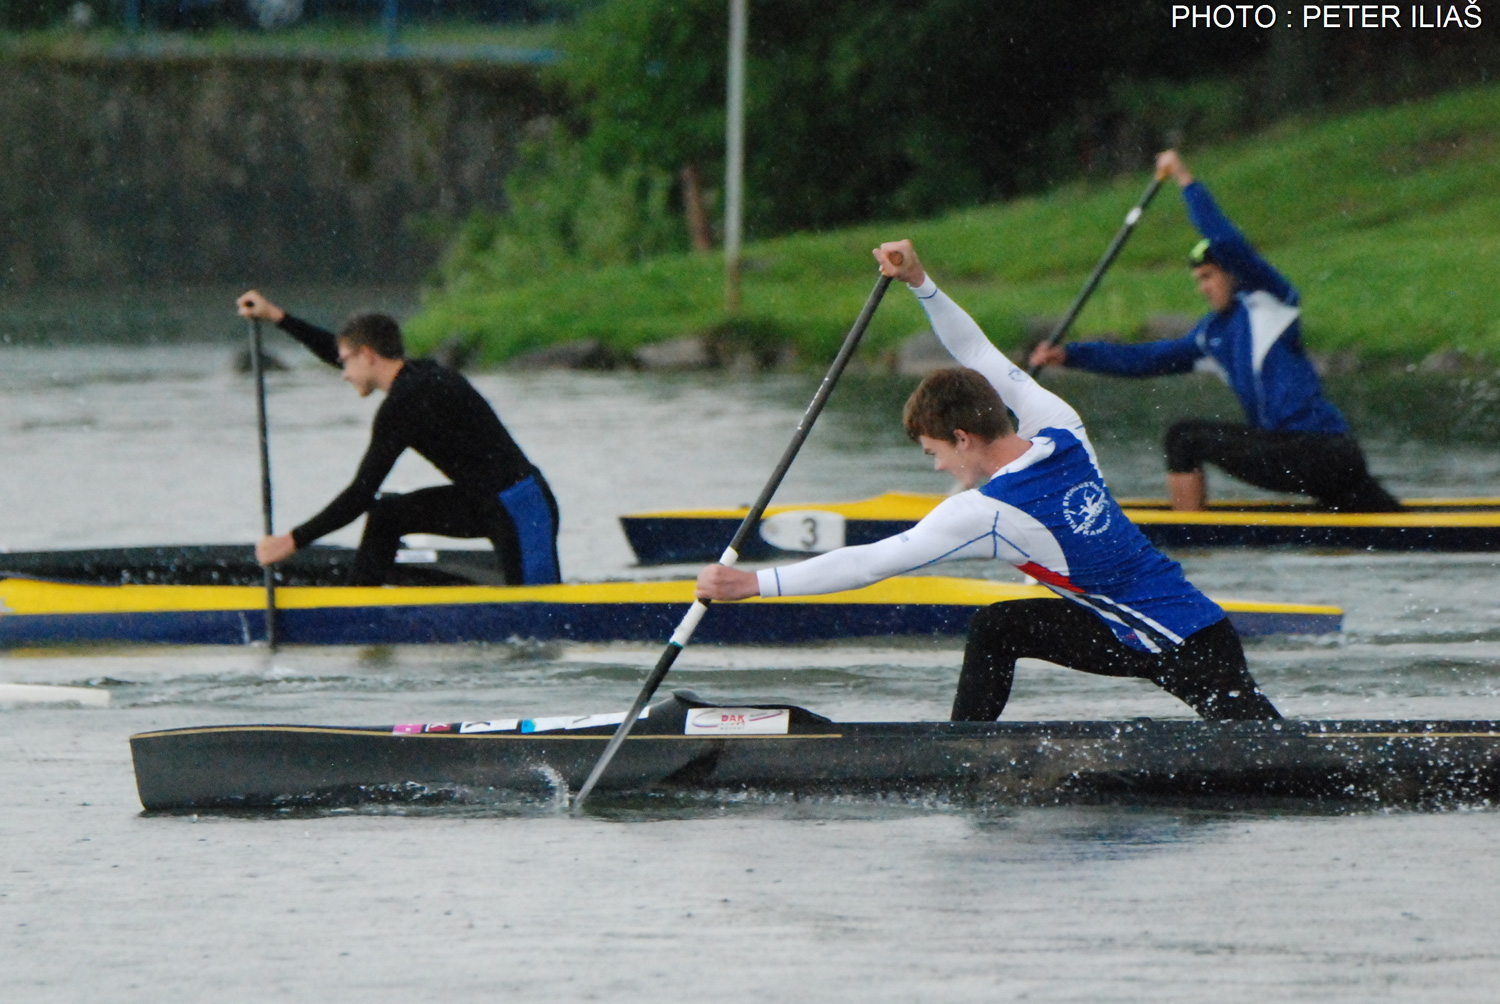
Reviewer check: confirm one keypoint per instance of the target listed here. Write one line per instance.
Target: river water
(747, 900)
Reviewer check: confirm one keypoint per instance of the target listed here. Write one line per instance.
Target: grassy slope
(1388, 221)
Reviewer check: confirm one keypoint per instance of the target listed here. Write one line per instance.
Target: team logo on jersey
(1086, 508)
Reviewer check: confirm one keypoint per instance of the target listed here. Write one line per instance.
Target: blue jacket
(1255, 344)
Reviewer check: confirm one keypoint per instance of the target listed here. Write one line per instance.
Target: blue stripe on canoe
(448, 623)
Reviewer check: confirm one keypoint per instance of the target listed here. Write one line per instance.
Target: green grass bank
(1388, 221)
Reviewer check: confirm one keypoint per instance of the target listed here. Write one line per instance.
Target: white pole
(734, 155)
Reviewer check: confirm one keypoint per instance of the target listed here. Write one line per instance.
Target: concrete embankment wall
(225, 169)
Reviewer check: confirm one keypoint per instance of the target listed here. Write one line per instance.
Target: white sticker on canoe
(810, 530)
(498, 725)
(415, 556)
(737, 722)
(576, 721)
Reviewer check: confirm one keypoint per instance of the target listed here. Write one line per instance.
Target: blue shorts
(535, 530)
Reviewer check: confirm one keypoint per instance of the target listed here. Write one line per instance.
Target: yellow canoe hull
(39, 612)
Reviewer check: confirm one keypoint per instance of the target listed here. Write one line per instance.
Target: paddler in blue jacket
(1294, 440)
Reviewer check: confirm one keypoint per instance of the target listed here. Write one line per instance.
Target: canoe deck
(689, 535)
(36, 612)
(687, 745)
(235, 565)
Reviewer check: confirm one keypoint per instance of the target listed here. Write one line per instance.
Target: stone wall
(245, 170)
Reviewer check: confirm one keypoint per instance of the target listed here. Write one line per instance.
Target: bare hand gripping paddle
(731, 554)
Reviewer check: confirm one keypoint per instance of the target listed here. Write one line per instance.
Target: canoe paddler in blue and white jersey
(1294, 440)
(1033, 496)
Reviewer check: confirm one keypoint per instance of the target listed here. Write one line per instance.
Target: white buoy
(35, 693)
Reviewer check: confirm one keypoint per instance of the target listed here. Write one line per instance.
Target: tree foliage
(18, 15)
(860, 110)
(560, 215)
(889, 108)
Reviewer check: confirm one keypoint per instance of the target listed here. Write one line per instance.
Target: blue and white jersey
(1255, 345)
(1047, 512)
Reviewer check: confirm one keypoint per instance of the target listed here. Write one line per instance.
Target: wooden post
(692, 208)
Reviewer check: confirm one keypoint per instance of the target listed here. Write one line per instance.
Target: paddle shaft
(257, 367)
(748, 526)
(1131, 219)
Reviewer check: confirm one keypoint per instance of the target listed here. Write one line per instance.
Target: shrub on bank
(1388, 221)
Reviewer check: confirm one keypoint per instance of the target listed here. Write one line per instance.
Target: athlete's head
(954, 415)
(1214, 281)
(953, 399)
(378, 332)
(368, 346)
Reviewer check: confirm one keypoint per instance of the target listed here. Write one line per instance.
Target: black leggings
(1207, 671)
(1330, 468)
(445, 511)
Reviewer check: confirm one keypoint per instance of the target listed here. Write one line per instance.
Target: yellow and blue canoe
(38, 612)
(1460, 524)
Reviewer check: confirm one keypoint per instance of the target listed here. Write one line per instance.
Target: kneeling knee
(385, 509)
(1183, 447)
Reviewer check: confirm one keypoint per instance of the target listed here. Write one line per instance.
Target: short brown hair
(953, 399)
(379, 332)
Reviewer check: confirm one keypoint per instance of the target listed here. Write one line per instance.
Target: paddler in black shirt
(496, 492)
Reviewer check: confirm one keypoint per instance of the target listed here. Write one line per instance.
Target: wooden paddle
(731, 554)
(1131, 219)
(257, 366)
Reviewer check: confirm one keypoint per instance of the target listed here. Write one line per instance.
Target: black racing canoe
(235, 565)
(689, 746)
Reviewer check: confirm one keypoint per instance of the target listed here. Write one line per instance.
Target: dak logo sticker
(1086, 508)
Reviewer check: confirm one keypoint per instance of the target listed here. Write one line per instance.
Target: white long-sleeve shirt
(1047, 512)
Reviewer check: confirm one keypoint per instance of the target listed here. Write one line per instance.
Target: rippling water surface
(740, 900)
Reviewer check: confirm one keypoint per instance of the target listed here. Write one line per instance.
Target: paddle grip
(1110, 253)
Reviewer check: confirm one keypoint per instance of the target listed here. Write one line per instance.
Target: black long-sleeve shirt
(432, 410)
